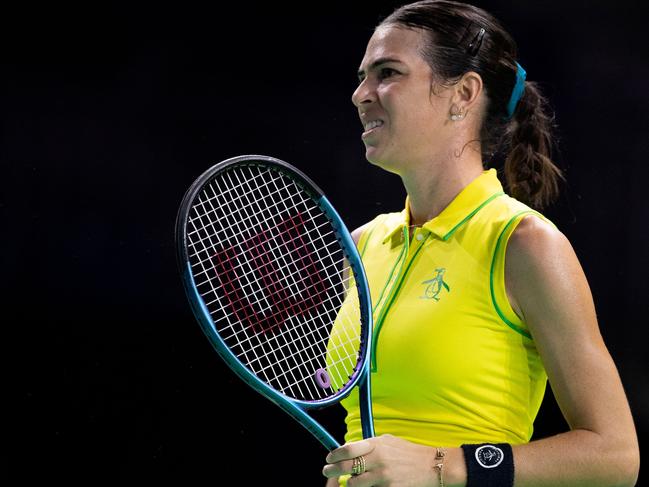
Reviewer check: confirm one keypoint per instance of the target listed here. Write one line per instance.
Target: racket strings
(333, 301)
(283, 362)
(298, 281)
(290, 370)
(318, 340)
(306, 350)
(249, 220)
(255, 248)
(246, 273)
(237, 200)
(296, 344)
(271, 344)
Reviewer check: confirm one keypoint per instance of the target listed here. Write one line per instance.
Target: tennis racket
(277, 285)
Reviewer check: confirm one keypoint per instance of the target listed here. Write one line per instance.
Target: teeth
(372, 124)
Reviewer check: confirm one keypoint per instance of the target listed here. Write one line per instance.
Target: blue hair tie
(518, 90)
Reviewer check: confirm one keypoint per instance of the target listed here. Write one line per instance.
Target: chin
(375, 158)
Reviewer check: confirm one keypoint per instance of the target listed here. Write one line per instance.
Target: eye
(385, 73)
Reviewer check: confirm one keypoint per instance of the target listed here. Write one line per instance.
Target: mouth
(372, 126)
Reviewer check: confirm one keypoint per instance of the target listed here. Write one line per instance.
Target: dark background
(109, 113)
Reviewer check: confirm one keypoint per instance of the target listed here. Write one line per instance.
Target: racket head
(228, 256)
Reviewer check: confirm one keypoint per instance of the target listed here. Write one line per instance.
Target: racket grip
(365, 404)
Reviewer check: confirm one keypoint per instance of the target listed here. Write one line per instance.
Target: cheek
(420, 121)
(416, 109)
(430, 118)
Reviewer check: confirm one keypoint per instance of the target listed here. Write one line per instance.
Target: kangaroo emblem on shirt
(435, 285)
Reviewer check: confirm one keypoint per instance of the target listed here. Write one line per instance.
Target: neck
(432, 186)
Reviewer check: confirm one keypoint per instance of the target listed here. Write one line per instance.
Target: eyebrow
(377, 63)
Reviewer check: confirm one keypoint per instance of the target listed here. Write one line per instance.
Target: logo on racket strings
(272, 276)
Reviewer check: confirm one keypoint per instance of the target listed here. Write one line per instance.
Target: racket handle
(365, 404)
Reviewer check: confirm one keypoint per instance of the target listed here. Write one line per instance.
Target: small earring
(457, 116)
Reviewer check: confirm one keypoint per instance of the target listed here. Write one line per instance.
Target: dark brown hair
(456, 46)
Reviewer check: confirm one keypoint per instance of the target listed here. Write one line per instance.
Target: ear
(467, 91)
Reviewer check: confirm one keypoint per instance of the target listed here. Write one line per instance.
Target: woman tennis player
(478, 298)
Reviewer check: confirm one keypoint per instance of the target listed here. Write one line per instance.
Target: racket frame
(294, 407)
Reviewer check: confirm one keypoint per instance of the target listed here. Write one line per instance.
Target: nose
(363, 94)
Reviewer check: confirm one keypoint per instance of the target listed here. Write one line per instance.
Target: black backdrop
(109, 113)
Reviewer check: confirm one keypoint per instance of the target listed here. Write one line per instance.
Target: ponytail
(530, 174)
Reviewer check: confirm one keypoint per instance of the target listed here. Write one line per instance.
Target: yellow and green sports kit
(451, 362)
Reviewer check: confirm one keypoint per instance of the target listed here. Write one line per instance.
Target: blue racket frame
(294, 407)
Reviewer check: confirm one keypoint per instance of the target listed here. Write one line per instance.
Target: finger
(332, 482)
(350, 450)
(344, 467)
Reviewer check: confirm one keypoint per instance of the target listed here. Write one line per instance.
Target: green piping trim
(470, 215)
(491, 277)
(385, 286)
(379, 322)
(369, 235)
(394, 292)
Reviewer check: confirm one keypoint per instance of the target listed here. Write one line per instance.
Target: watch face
(489, 456)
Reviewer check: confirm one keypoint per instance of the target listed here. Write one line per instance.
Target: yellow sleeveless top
(451, 362)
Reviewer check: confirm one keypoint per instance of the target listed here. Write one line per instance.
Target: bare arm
(548, 289)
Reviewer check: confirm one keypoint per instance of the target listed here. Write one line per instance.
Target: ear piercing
(458, 115)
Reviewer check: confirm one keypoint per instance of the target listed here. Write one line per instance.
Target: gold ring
(358, 465)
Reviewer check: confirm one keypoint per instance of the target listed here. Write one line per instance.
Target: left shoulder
(543, 273)
(537, 240)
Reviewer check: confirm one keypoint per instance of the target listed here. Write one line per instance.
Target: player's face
(403, 119)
